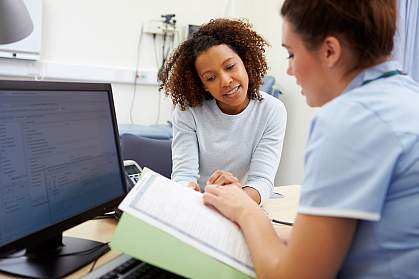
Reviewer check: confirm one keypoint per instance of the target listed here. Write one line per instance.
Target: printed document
(179, 211)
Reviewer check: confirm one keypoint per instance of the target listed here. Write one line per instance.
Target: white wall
(97, 32)
(265, 17)
(98, 39)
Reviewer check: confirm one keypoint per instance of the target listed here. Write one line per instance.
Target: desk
(99, 230)
(283, 209)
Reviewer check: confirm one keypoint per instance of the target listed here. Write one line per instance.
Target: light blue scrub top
(362, 162)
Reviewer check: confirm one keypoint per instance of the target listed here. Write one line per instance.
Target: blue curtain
(406, 47)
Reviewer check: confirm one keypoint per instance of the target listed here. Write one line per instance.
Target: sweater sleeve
(267, 153)
(184, 147)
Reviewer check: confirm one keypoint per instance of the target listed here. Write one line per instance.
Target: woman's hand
(232, 202)
(225, 178)
(221, 177)
(194, 186)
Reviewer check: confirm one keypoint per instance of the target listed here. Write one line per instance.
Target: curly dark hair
(178, 77)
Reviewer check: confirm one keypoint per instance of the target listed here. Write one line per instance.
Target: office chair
(151, 153)
(268, 86)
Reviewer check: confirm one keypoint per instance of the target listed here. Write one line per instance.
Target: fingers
(215, 190)
(214, 176)
(226, 180)
(212, 189)
(193, 185)
(211, 195)
(224, 200)
(209, 199)
(220, 177)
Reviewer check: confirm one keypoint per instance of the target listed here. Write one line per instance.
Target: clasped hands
(224, 178)
(219, 177)
(223, 192)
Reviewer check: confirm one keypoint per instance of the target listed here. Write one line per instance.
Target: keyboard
(127, 267)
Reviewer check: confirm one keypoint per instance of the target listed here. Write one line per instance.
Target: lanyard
(385, 75)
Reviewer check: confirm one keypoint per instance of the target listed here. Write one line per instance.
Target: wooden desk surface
(99, 230)
(283, 209)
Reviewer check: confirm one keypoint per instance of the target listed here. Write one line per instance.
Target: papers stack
(167, 225)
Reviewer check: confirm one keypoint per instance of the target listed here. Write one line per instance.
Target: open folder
(167, 225)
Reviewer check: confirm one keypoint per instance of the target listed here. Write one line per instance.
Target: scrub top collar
(372, 73)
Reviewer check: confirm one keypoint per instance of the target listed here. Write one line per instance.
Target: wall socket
(147, 77)
(158, 28)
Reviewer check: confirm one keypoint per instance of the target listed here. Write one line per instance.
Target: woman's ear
(331, 51)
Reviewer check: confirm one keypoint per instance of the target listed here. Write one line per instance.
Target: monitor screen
(191, 29)
(59, 159)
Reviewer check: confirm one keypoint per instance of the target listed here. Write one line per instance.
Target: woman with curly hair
(223, 126)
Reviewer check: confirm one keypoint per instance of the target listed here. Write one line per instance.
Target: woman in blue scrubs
(359, 205)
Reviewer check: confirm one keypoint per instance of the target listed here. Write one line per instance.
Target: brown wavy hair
(367, 26)
(178, 77)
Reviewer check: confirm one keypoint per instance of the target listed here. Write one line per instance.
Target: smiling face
(224, 76)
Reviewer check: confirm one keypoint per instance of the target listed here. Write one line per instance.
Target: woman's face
(306, 66)
(224, 76)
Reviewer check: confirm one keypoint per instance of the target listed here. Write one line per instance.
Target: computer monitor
(191, 29)
(60, 165)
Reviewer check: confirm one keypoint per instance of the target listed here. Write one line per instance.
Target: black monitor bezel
(58, 228)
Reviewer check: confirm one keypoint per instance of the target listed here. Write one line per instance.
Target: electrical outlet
(158, 28)
(147, 77)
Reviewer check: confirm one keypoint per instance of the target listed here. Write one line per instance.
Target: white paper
(179, 211)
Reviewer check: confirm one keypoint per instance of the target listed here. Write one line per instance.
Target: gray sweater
(247, 144)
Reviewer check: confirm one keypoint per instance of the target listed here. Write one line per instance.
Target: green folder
(152, 245)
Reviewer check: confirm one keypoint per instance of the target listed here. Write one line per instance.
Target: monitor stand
(54, 258)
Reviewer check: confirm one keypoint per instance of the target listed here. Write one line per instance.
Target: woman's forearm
(253, 194)
(265, 246)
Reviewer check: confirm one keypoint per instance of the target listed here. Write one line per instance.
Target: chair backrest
(151, 153)
(268, 83)
(268, 86)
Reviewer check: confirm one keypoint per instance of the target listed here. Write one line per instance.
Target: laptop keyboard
(128, 268)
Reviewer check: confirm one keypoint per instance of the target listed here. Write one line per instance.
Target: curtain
(406, 41)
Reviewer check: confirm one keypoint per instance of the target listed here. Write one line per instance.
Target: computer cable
(87, 251)
(275, 221)
(158, 67)
(93, 265)
(282, 222)
(136, 74)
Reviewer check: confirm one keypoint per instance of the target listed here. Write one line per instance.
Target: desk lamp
(15, 21)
